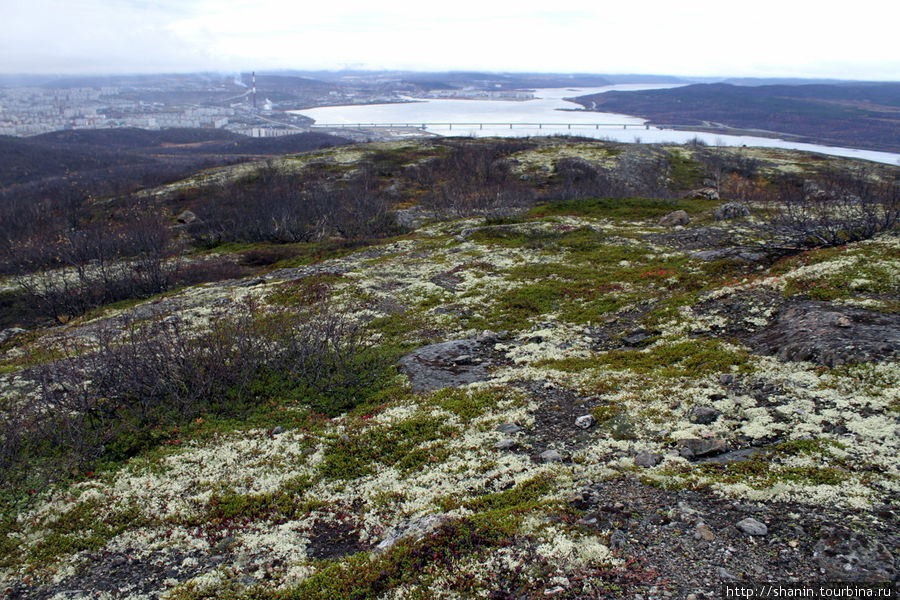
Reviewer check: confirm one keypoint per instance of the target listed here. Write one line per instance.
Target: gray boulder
(704, 415)
(549, 456)
(647, 459)
(186, 218)
(704, 193)
(731, 210)
(675, 218)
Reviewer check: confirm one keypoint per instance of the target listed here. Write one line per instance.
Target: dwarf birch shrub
(142, 381)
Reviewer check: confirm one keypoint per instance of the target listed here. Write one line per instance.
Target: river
(459, 117)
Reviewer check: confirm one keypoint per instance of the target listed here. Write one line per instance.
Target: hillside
(855, 115)
(457, 368)
(103, 154)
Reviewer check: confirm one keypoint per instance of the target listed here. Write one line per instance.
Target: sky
(765, 38)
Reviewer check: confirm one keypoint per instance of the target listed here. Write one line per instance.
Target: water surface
(557, 116)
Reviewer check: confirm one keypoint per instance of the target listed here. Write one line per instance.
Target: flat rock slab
(830, 335)
(448, 364)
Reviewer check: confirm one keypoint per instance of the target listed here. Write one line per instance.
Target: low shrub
(142, 381)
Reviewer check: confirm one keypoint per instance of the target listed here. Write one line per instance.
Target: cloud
(700, 37)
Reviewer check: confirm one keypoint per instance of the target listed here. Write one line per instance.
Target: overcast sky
(790, 38)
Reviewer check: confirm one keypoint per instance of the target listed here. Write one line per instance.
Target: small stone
(549, 456)
(487, 336)
(579, 500)
(635, 337)
(505, 444)
(704, 532)
(647, 459)
(726, 379)
(617, 540)
(225, 544)
(585, 421)
(704, 415)
(693, 448)
(725, 575)
(751, 526)
(8, 334)
(508, 428)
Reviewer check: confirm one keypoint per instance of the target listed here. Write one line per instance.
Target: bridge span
(481, 125)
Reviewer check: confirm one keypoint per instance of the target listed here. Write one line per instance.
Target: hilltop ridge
(455, 368)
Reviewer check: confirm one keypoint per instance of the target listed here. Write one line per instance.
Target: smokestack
(253, 88)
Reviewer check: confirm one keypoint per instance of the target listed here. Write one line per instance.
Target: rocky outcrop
(829, 335)
(450, 364)
(186, 218)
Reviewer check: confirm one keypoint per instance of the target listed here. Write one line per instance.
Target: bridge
(450, 126)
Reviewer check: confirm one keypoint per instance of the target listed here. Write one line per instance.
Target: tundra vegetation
(200, 392)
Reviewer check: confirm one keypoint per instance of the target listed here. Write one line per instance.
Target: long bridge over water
(482, 125)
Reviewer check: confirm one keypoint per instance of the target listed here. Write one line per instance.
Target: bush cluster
(141, 380)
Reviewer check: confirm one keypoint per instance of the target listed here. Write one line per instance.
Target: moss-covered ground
(562, 285)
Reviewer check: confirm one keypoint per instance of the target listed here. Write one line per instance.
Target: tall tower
(253, 88)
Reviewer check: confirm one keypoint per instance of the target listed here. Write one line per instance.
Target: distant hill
(861, 115)
(81, 154)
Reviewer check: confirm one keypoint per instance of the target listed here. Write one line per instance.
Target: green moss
(415, 564)
(684, 172)
(524, 496)
(861, 278)
(405, 445)
(586, 287)
(287, 502)
(606, 412)
(807, 447)
(766, 469)
(689, 358)
(759, 472)
(403, 332)
(467, 404)
(227, 588)
(87, 526)
(619, 209)
(539, 239)
(306, 291)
